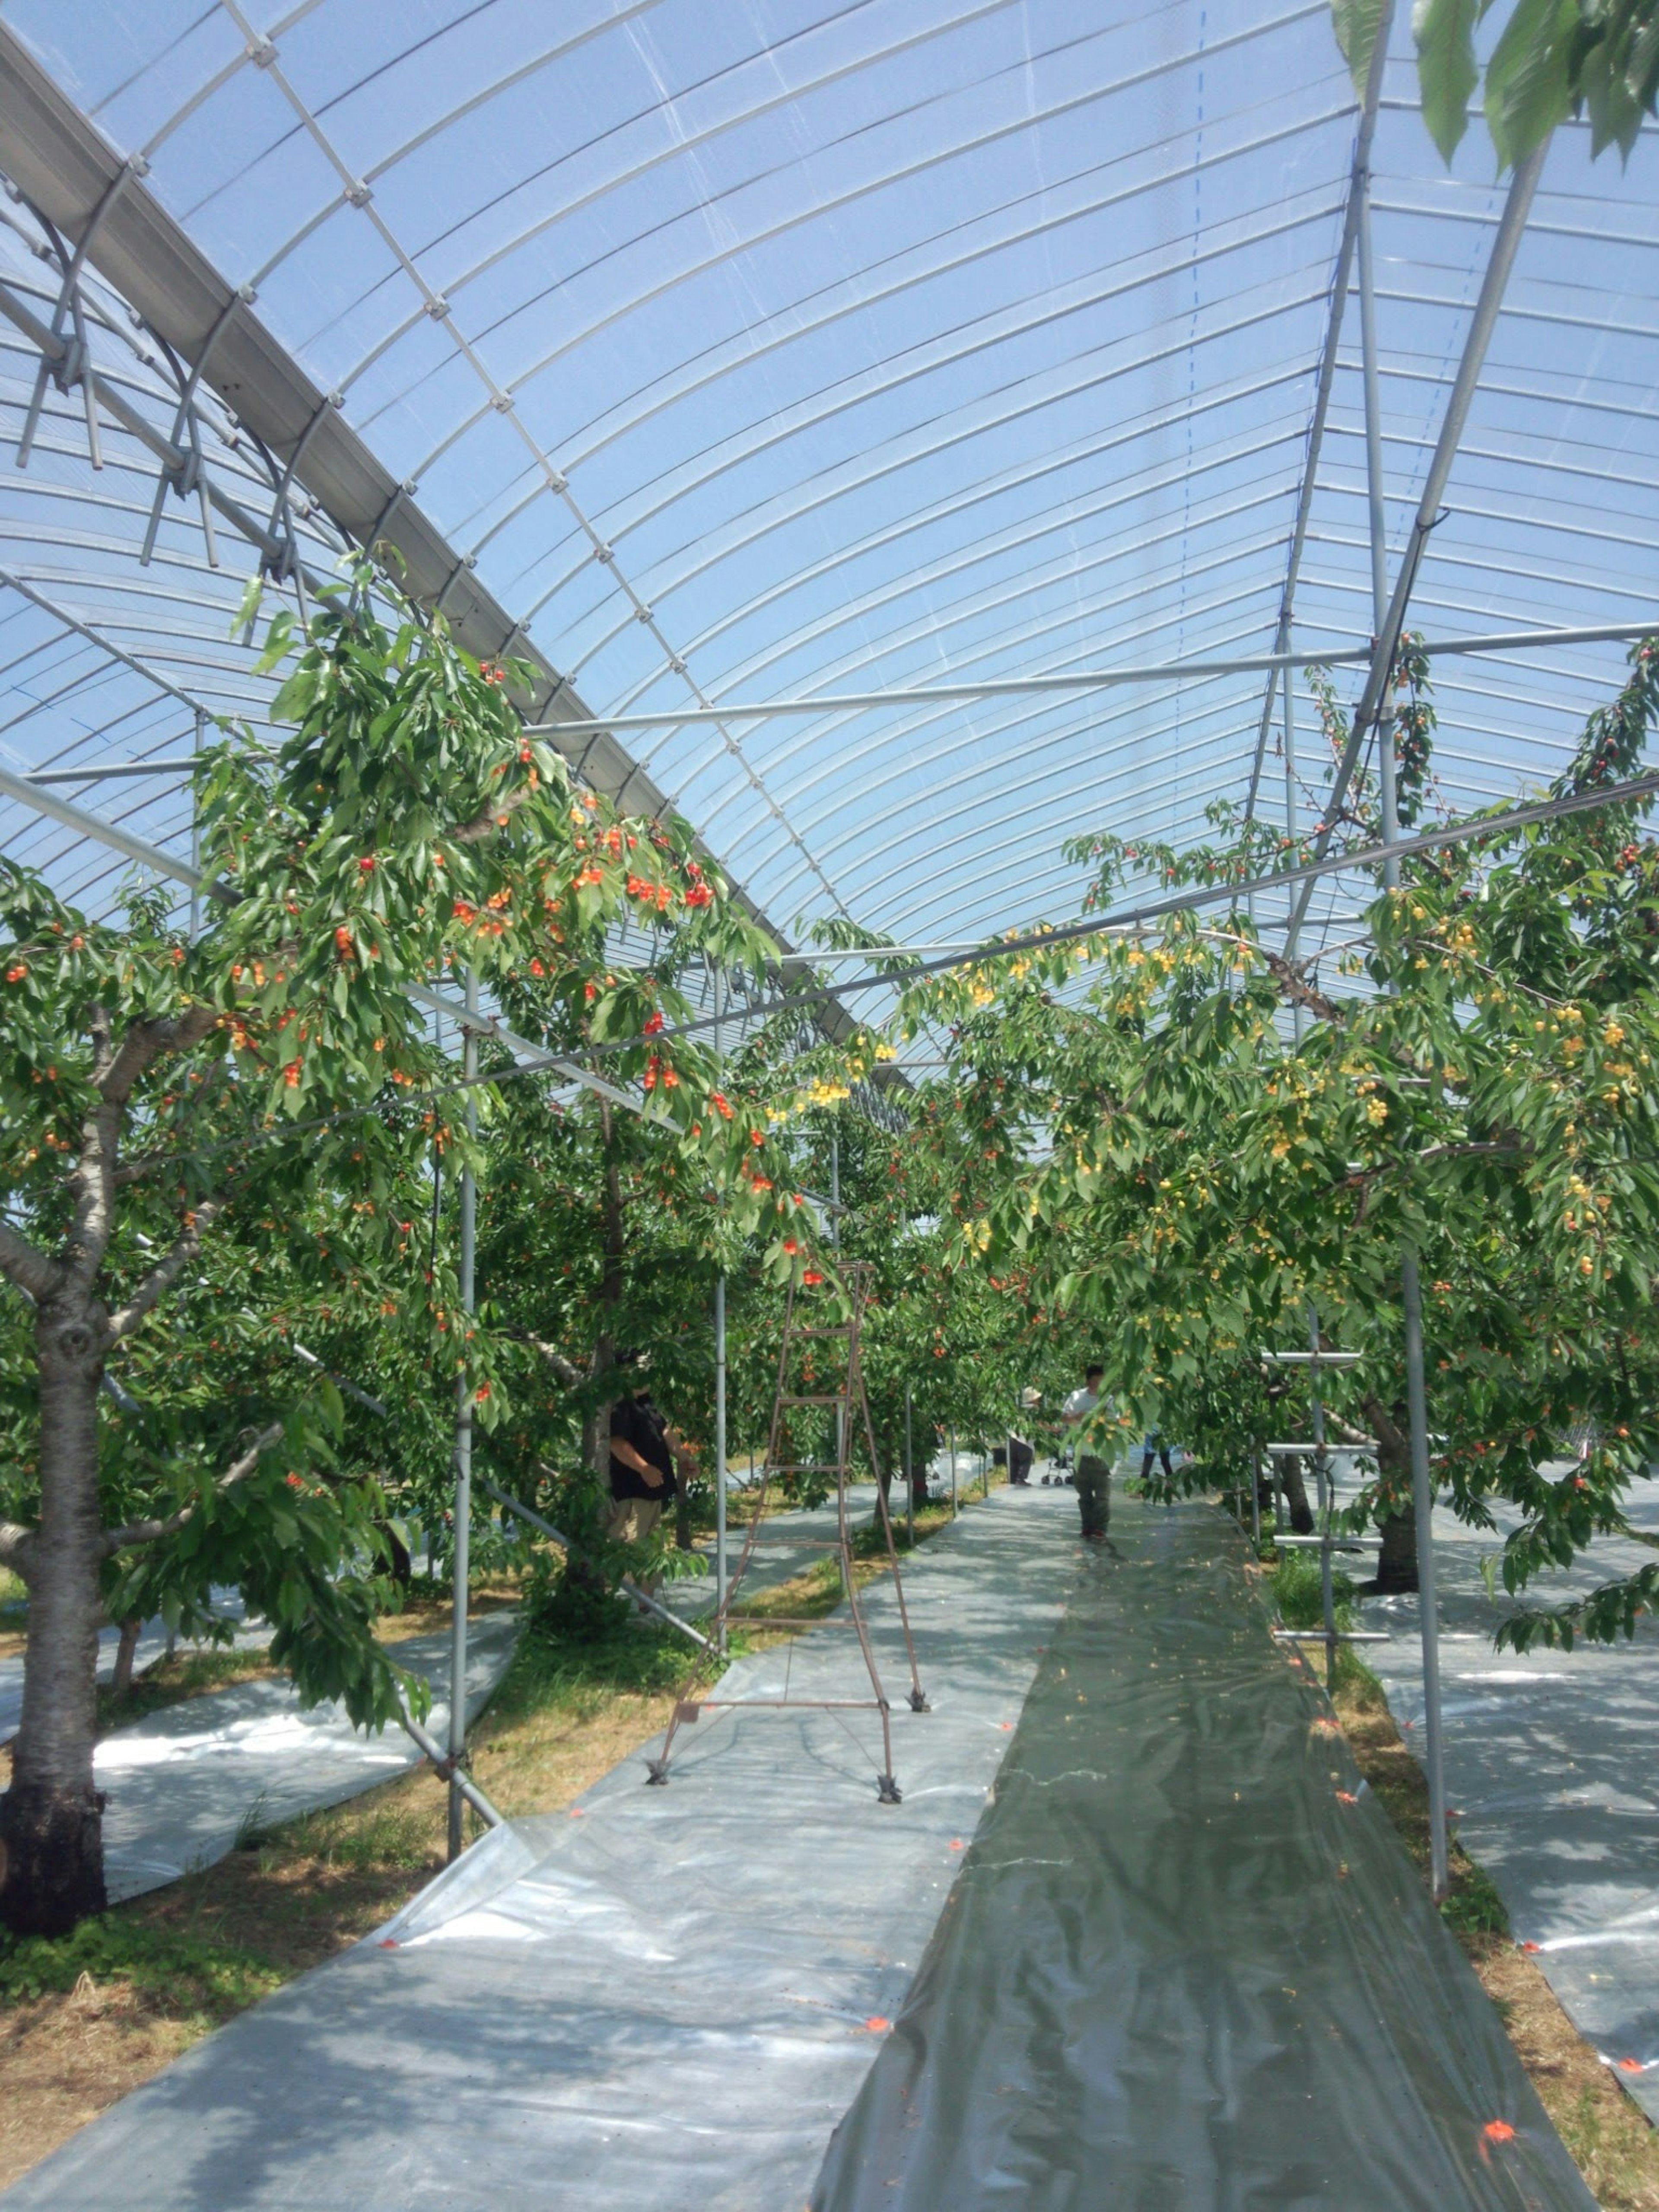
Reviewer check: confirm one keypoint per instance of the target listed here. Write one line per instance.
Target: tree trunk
(125, 1652)
(1296, 1493)
(51, 1842)
(1396, 1564)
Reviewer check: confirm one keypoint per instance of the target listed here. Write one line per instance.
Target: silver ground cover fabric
(182, 1784)
(1187, 1966)
(664, 2000)
(1552, 1772)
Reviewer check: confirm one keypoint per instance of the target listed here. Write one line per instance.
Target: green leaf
(1355, 22)
(1444, 33)
(1530, 78)
(278, 638)
(252, 592)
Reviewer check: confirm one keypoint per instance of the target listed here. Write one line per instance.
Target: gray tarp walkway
(1196, 1977)
(661, 2003)
(1189, 1963)
(1552, 1769)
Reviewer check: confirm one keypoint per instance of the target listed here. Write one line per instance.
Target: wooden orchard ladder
(846, 1404)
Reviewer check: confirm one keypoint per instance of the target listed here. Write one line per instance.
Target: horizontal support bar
(1336, 1543)
(1333, 1636)
(180, 767)
(1086, 679)
(1315, 1359)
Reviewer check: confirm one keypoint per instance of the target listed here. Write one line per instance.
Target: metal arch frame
(1014, 322)
(436, 305)
(742, 535)
(890, 534)
(61, 158)
(1008, 542)
(578, 455)
(1359, 171)
(902, 174)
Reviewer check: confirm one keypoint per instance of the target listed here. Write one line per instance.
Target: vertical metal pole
(835, 1239)
(1427, 1604)
(953, 1470)
(721, 1568)
(1417, 1401)
(909, 1472)
(195, 842)
(1379, 542)
(1297, 1015)
(1255, 1495)
(1327, 1502)
(720, 1564)
(462, 1564)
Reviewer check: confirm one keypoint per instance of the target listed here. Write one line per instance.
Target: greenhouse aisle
(1551, 1760)
(1187, 1958)
(664, 1999)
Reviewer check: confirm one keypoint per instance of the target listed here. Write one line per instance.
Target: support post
(953, 1470)
(1326, 1490)
(462, 1561)
(721, 1570)
(1255, 1497)
(1411, 1287)
(909, 1473)
(1505, 242)
(1299, 1018)
(835, 1241)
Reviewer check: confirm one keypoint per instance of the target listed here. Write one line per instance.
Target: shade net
(1188, 1961)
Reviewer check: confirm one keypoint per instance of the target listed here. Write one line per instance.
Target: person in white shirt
(1094, 1475)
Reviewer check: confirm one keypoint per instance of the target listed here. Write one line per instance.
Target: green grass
(1296, 1588)
(579, 1676)
(191, 1977)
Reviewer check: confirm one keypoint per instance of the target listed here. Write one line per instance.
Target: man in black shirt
(644, 1452)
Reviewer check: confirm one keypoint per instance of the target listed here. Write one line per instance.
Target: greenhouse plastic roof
(739, 353)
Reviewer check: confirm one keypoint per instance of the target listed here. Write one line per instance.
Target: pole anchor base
(919, 1701)
(656, 1774)
(888, 1791)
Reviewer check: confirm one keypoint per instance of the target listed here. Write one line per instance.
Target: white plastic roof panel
(752, 352)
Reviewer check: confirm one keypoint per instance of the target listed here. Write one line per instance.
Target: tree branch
(28, 1265)
(153, 1531)
(166, 1270)
(490, 818)
(567, 1369)
(17, 1548)
(147, 1041)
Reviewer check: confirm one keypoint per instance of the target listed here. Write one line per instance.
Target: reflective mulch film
(1187, 1962)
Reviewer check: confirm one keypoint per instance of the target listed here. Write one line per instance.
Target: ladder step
(805, 1467)
(845, 1329)
(812, 1398)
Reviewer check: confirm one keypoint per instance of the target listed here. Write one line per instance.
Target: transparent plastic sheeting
(1550, 1761)
(183, 1784)
(1188, 1963)
(664, 1998)
(759, 352)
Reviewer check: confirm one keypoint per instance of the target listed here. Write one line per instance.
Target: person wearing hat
(1094, 1475)
(645, 1455)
